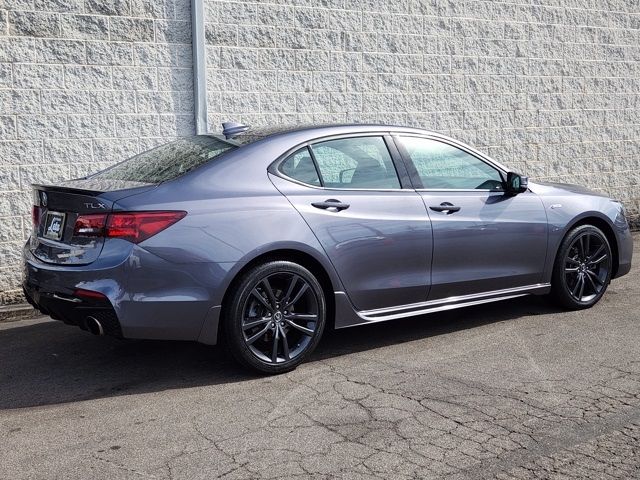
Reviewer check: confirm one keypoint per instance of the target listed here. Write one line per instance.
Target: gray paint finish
(493, 242)
(550, 88)
(380, 246)
(387, 253)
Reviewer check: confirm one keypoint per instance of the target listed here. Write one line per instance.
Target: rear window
(168, 161)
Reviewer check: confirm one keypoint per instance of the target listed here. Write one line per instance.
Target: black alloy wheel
(276, 317)
(583, 268)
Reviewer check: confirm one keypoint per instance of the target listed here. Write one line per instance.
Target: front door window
(441, 166)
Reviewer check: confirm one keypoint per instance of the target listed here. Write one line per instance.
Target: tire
(276, 303)
(582, 270)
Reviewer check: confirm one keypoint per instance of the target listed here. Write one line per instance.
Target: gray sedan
(265, 238)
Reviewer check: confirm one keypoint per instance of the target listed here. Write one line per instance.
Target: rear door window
(355, 163)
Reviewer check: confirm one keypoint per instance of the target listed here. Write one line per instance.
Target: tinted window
(360, 162)
(167, 161)
(442, 166)
(300, 166)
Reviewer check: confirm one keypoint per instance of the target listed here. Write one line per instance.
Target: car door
(483, 239)
(376, 233)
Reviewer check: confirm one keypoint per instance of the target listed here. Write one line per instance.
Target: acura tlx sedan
(264, 238)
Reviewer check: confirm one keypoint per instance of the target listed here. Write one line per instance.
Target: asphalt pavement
(513, 390)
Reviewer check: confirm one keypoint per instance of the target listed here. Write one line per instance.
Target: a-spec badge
(43, 199)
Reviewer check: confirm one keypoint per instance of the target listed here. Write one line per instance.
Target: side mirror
(516, 183)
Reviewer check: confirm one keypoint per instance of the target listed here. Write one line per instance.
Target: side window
(300, 166)
(442, 166)
(359, 162)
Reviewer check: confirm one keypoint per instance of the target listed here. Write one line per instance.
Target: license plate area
(54, 225)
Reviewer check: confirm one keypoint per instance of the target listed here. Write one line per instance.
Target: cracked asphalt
(512, 390)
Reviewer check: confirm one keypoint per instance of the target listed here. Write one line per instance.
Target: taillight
(138, 226)
(90, 225)
(132, 226)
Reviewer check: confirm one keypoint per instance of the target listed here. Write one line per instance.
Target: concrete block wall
(83, 84)
(549, 87)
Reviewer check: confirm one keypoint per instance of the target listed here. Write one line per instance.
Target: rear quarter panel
(235, 214)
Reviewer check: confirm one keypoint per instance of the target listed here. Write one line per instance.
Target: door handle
(331, 203)
(445, 207)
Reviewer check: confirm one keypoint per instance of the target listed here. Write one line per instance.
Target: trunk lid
(56, 209)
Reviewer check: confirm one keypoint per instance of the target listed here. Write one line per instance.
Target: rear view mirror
(516, 183)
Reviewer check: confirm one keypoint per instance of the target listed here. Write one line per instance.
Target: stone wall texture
(83, 84)
(549, 87)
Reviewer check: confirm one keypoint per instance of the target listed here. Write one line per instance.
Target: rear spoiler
(108, 189)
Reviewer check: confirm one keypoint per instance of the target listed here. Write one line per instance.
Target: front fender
(602, 211)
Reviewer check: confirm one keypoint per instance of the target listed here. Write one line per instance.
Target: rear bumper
(147, 297)
(73, 310)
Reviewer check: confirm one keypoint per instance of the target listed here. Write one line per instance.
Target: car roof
(313, 130)
(284, 137)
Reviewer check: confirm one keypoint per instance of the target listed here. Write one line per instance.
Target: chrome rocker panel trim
(449, 303)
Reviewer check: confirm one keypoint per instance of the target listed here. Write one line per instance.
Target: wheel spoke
(272, 297)
(252, 322)
(303, 289)
(292, 284)
(581, 247)
(305, 330)
(592, 275)
(256, 336)
(285, 343)
(598, 260)
(587, 245)
(274, 351)
(576, 287)
(595, 288)
(261, 299)
(302, 316)
(581, 288)
(571, 270)
(572, 261)
(596, 253)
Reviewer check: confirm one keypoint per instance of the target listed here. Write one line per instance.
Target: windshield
(168, 161)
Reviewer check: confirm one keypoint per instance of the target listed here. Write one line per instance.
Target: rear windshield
(168, 161)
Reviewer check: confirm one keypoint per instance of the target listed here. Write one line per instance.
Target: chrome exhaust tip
(94, 326)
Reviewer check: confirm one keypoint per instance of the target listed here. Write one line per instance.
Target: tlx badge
(95, 205)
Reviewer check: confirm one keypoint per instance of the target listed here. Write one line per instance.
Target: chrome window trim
(459, 190)
(274, 167)
(336, 189)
